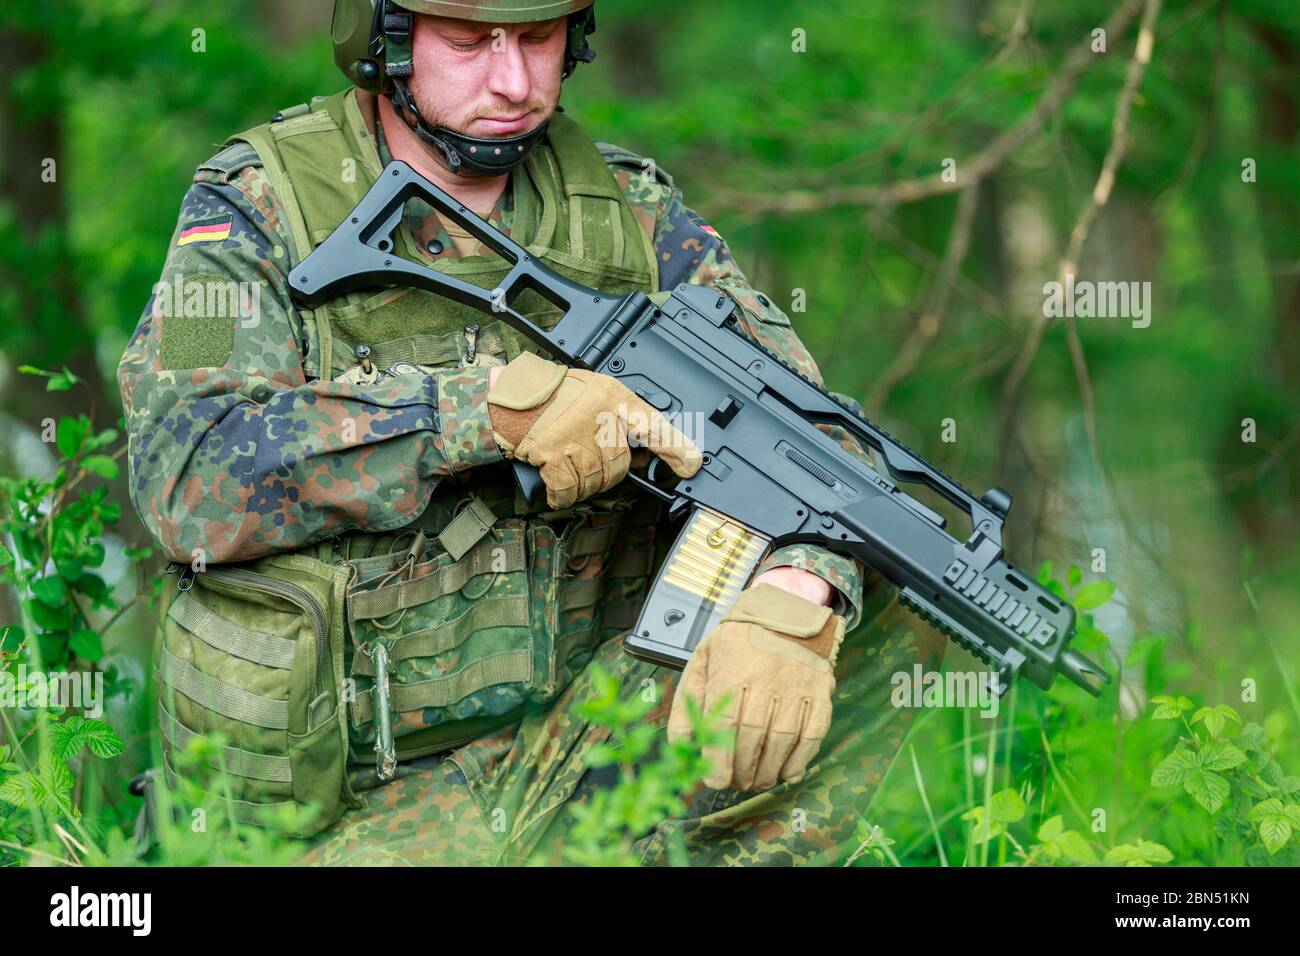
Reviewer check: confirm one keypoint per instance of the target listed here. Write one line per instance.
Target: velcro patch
(216, 229)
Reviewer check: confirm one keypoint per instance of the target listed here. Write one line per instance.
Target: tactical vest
(415, 641)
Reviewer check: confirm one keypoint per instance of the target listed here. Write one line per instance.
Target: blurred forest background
(1162, 462)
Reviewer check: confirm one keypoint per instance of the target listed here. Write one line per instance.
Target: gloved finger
(589, 468)
(616, 457)
(796, 764)
(813, 726)
(751, 741)
(722, 757)
(561, 482)
(654, 432)
(780, 745)
(693, 683)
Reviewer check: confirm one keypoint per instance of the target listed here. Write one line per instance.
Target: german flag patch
(216, 229)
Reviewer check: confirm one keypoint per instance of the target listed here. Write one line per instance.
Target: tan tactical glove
(774, 652)
(574, 426)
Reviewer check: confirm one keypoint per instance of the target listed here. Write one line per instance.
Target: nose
(508, 76)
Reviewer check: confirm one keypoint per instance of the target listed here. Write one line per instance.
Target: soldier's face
(487, 79)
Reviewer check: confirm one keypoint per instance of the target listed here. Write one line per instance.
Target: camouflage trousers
(501, 799)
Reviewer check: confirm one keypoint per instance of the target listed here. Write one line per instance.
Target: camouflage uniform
(236, 452)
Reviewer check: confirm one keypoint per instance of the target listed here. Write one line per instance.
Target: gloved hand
(775, 653)
(574, 426)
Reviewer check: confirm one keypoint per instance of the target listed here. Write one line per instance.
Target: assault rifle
(769, 477)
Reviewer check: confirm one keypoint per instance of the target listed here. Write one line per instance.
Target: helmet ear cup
(576, 48)
(355, 27)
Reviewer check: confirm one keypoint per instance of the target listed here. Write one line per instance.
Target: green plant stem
(925, 802)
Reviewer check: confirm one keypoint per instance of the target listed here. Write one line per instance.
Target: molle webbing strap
(511, 611)
(621, 614)
(223, 635)
(579, 592)
(245, 811)
(380, 602)
(512, 667)
(617, 614)
(226, 700)
(242, 763)
(429, 349)
(631, 564)
(592, 540)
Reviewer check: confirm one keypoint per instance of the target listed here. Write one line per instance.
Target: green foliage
(1235, 777)
(57, 528)
(605, 828)
(1085, 784)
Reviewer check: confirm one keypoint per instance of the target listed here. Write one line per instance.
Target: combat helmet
(372, 46)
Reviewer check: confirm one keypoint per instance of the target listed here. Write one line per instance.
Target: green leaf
(1074, 577)
(1076, 848)
(6, 556)
(1093, 595)
(106, 437)
(1141, 853)
(1005, 806)
(51, 591)
(47, 788)
(87, 645)
(1207, 788)
(1229, 713)
(1171, 771)
(22, 790)
(1275, 831)
(71, 433)
(985, 827)
(76, 733)
(1051, 829)
(61, 381)
(1253, 737)
(1213, 722)
(100, 465)
(1220, 756)
(1264, 808)
(1215, 718)
(1045, 573)
(1169, 708)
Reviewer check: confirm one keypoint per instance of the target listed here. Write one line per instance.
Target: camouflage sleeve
(690, 250)
(234, 454)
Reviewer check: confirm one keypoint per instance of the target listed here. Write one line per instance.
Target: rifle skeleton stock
(769, 477)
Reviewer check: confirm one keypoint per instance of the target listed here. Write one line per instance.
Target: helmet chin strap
(483, 157)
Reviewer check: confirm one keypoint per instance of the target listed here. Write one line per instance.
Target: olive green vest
(568, 211)
(285, 657)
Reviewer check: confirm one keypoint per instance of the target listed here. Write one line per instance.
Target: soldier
(367, 611)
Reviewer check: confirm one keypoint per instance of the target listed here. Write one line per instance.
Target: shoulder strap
(600, 218)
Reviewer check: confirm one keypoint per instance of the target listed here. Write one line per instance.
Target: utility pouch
(250, 656)
(446, 621)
